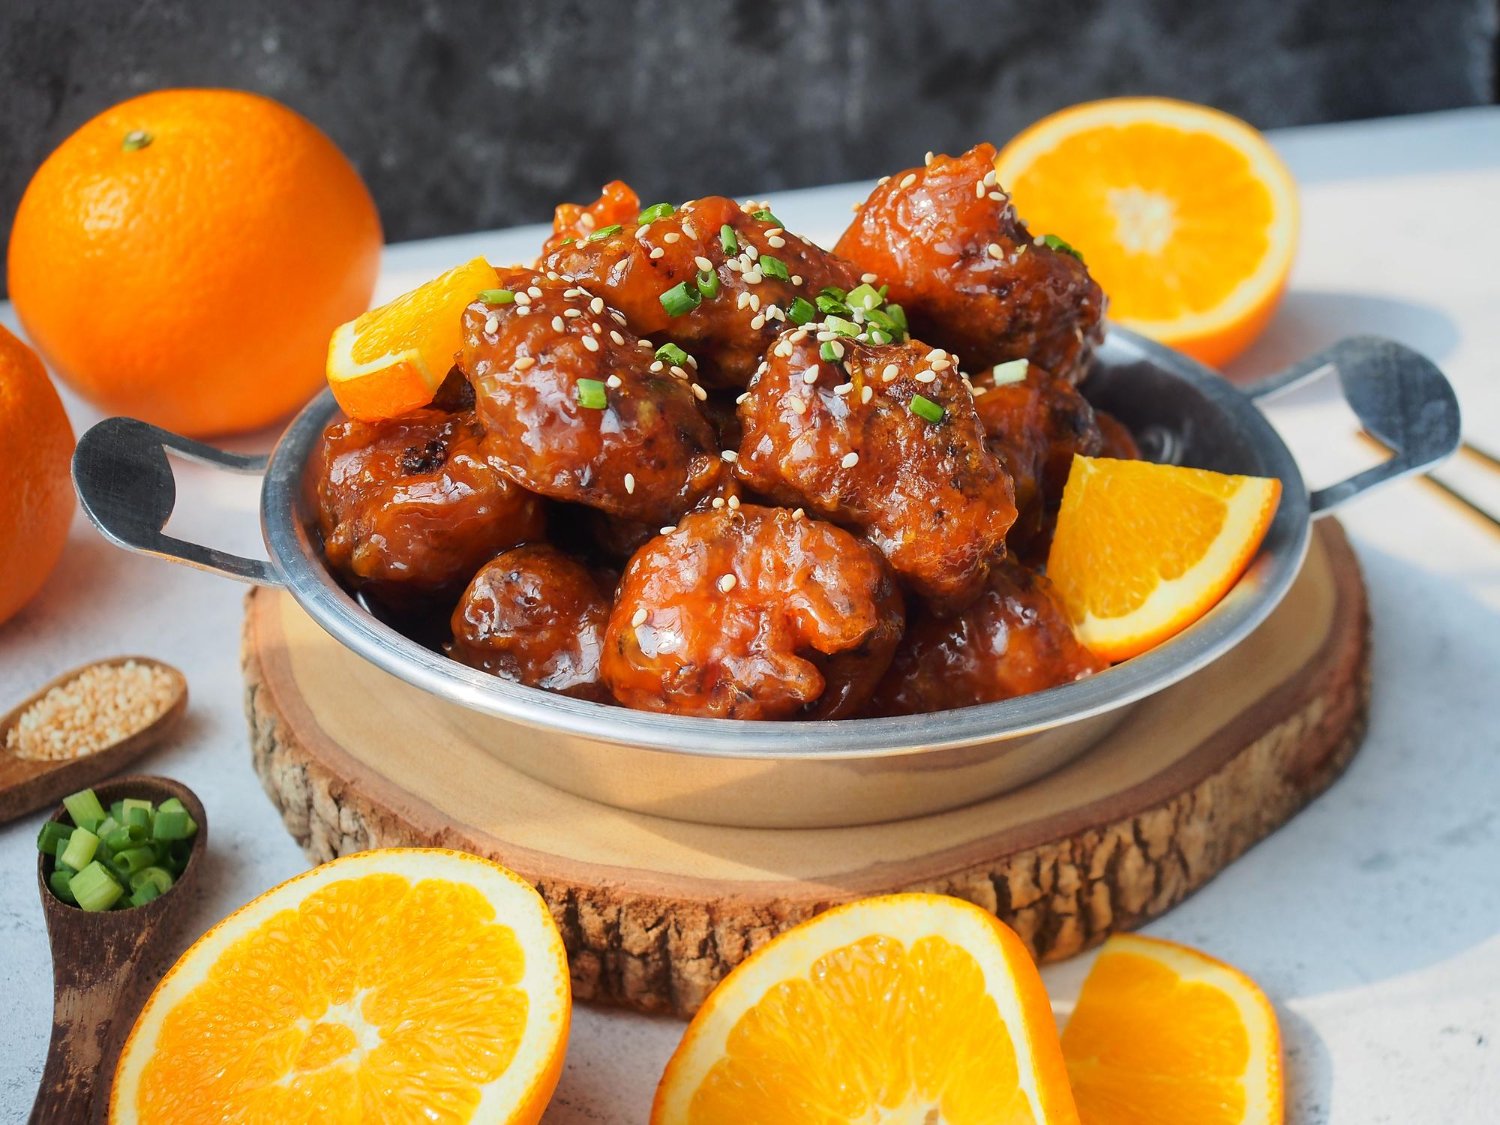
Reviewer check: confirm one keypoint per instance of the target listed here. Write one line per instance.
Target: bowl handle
(126, 486)
(1400, 397)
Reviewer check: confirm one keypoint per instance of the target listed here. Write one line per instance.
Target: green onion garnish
(924, 407)
(60, 882)
(898, 318)
(1011, 371)
(829, 304)
(137, 850)
(727, 240)
(841, 326)
(864, 297)
(707, 282)
(94, 888)
(680, 299)
(80, 849)
(604, 232)
(672, 355)
(832, 291)
(1052, 242)
(767, 217)
(159, 877)
(656, 211)
(591, 394)
(801, 311)
(772, 266)
(828, 353)
(51, 833)
(85, 809)
(879, 337)
(173, 824)
(497, 296)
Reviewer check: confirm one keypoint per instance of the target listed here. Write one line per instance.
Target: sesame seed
(754, 276)
(751, 252)
(534, 291)
(908, 179)
(838, 349)
(941, 364)
(797, 405)
(925, 376)
(742, 300)
(591, 344)
(843, 388)
(523, 298)
(868, 278)
(997, 196)
(613, 382)
(741, 397)
(928, 158)
(772, 232)
(618, 318)
(639, 617)
(994, 250)
(754, 303)
(571, 313)
(729, 455)
(689, 230)
(978, 189)
(699, 393)
(734, 503)
(1039, 240)
(776, 242)
(657, 252)
(586, 221)
(774, 312)
(936, 353)
(671, 527)
(866, 393)
(616, 338)
(890, 373)
(798, 513)
(718, 502)
(596, 329)
(524, 363)
(521, 310)
(640, 231)
(758, 321)
(630, 483)
(990, 179)
(657, 367)
(796, 279)
(810, 376)
(596, 305)
(882, 181)
(850, 460)
(798, 336)
(670, 237)
(491, 324)
(727, 583)
(647, 344)
(557, 323)
(703, 263)
(102, 705)
(570, 293)
(678, 372)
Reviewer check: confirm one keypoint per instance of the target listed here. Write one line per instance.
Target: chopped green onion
(727, 240)
(80, 850)
(672, 355)
(832, 291)
(924, 407)
(569, 240)
(497, 296)
(772, 266)
(159, 877)
(172, 824)
(604, 232)
(1052, 242)
(863, 297)
(841, 326)
(117, 810)
(828, 352)
(125, 836)
(51, 833)
(898, 318)
(591, 394)
(132, 860)
(147, 893)
(801, 311)
(656, 211)
(1011, 371)
(85, 809)
(707, 283)
(94, 888)
(106, 826)
(765, 216)
(138, 817)
(680, 299)
(58, 881)
(60, 849)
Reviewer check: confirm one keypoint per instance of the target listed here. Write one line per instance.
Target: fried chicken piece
(1036, 425)
(412, 506)
(969, 274)
(752, 613)
(846, 439)
(573, 409)
(535, 616)
(1015, 639)
(726, 331)
(572, 222)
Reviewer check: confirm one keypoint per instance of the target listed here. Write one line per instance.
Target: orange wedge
(392, 359)
(1165, 1035)
(1187, 217)
(397, 985)
(1142, 551)
(913, 1007)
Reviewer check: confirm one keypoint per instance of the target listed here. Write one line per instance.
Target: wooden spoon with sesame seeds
(29, 783)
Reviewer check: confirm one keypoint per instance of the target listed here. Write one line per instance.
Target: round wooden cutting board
(655, 911)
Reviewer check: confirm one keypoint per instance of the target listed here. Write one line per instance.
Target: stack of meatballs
(693, 463)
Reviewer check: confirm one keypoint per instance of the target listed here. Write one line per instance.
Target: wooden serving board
(655, 911)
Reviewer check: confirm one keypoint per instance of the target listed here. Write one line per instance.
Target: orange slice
(907, 1008)
(1167, 1035)
(1186, 216)
(392, 359)
(1142, 551)
(397, 985)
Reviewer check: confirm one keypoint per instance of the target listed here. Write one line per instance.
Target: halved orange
(1186, 216)
(392, 359)
(1142, 550)
(906, 1008)
(1165, 1035)
(398, 985)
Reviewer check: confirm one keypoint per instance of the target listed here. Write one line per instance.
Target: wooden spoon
(104, 965)
(27, 785)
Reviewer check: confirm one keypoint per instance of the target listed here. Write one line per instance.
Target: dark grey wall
(470, 115)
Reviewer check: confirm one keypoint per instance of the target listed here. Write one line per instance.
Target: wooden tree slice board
(655, 911)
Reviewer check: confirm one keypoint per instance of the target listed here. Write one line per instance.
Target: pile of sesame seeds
(101, 706)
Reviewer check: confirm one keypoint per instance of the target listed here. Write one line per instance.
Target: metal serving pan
(810, 774)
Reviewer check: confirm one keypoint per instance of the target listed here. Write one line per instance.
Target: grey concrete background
(471, 115)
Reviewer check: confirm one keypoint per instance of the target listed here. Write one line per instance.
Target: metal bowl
(812, 774)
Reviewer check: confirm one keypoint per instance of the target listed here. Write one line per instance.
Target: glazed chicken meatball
(752, 613)
(573, 408)
(884, 439)
(411, 507)
(1036, 424)
(1013, 640)
(971, 277)
(574, 222)
(711, 277)
(537, 617)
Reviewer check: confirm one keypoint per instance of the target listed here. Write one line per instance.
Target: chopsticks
(1456, 496)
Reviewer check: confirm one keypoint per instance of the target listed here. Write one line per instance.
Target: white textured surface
(1373, 919)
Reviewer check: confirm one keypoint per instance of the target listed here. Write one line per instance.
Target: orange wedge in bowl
(1186, 216)
(392, 359)
(1170, 1036)
(404, 984)
(913, 1007)
(1142, 550)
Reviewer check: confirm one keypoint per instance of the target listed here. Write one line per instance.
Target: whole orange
(184, 257)
(36, 492)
